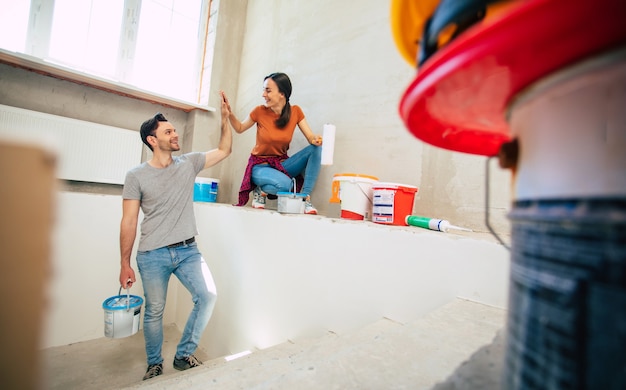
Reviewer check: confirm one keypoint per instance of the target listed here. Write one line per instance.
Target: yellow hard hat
(409, 17)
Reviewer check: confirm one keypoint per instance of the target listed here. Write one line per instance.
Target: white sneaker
(308, 207)
(258, 201)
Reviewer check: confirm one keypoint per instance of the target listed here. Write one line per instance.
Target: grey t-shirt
(166, 196)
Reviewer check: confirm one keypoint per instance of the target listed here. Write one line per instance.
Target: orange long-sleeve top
(270, 140)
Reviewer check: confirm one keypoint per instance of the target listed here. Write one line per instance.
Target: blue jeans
(306, 162)
(156, 267)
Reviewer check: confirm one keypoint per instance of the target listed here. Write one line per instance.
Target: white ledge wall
(285, 277)
(279, 277)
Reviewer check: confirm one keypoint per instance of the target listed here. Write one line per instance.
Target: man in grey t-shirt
(163, 189)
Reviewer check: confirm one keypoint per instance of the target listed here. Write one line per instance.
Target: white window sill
(53, 70)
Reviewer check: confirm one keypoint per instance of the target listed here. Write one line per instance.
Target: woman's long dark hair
(284, 87)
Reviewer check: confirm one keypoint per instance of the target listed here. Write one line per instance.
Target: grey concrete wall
(37, 92)
(230, 30)
(346, 70)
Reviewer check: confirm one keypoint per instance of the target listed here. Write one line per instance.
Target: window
(153, 45)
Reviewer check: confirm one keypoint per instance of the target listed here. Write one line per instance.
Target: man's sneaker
(153, 370)
(308, 207)
(186, 363)
(258, 202)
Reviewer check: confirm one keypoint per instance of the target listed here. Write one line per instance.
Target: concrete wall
(345, 70)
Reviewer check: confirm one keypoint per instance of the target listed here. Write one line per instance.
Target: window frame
(37, 45)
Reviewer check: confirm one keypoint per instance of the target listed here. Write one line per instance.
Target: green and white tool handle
(441, 225)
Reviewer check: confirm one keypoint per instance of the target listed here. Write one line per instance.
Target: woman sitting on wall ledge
(270, 170)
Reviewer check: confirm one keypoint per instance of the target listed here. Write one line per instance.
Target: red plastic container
(392, 203)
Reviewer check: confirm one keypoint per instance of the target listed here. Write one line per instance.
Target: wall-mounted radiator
(86, 151)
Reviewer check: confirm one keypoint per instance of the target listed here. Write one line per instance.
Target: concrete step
(105, 363)
(430, 351)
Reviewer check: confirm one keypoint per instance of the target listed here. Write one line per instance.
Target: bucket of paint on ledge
(121, 315)
(392, 203)
(205, 189)
(354, 192)
(291, 202)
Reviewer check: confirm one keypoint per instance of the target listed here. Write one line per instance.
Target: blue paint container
(205, 189)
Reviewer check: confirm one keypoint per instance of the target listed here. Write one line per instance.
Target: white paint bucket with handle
(122, 314)
(291, 202)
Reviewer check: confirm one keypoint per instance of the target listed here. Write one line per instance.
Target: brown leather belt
(186, 242)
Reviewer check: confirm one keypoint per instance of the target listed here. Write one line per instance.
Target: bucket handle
(366, 195)
(127, 297)
(293, 180)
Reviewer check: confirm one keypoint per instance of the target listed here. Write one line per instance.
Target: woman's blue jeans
(156, 267)
(306, 162)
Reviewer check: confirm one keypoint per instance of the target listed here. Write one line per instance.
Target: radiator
(86, 151)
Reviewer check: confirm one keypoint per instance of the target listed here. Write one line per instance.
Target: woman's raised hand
(225, 101)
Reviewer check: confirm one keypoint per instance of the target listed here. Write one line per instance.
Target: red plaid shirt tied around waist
(247, 185)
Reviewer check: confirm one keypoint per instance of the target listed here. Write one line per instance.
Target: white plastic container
(291, 202)
(354, 192)
(122, 314)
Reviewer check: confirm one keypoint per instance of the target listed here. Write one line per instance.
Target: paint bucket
(354, 192)
(291, 202)
(205, 189)
(122, 315)
(568, 229)
(392, 203)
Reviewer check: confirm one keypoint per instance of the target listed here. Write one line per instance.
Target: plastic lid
(338, 175)
(459, 99)
(120, 302)
(394, 185)
(292, 194)
(206, 180)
